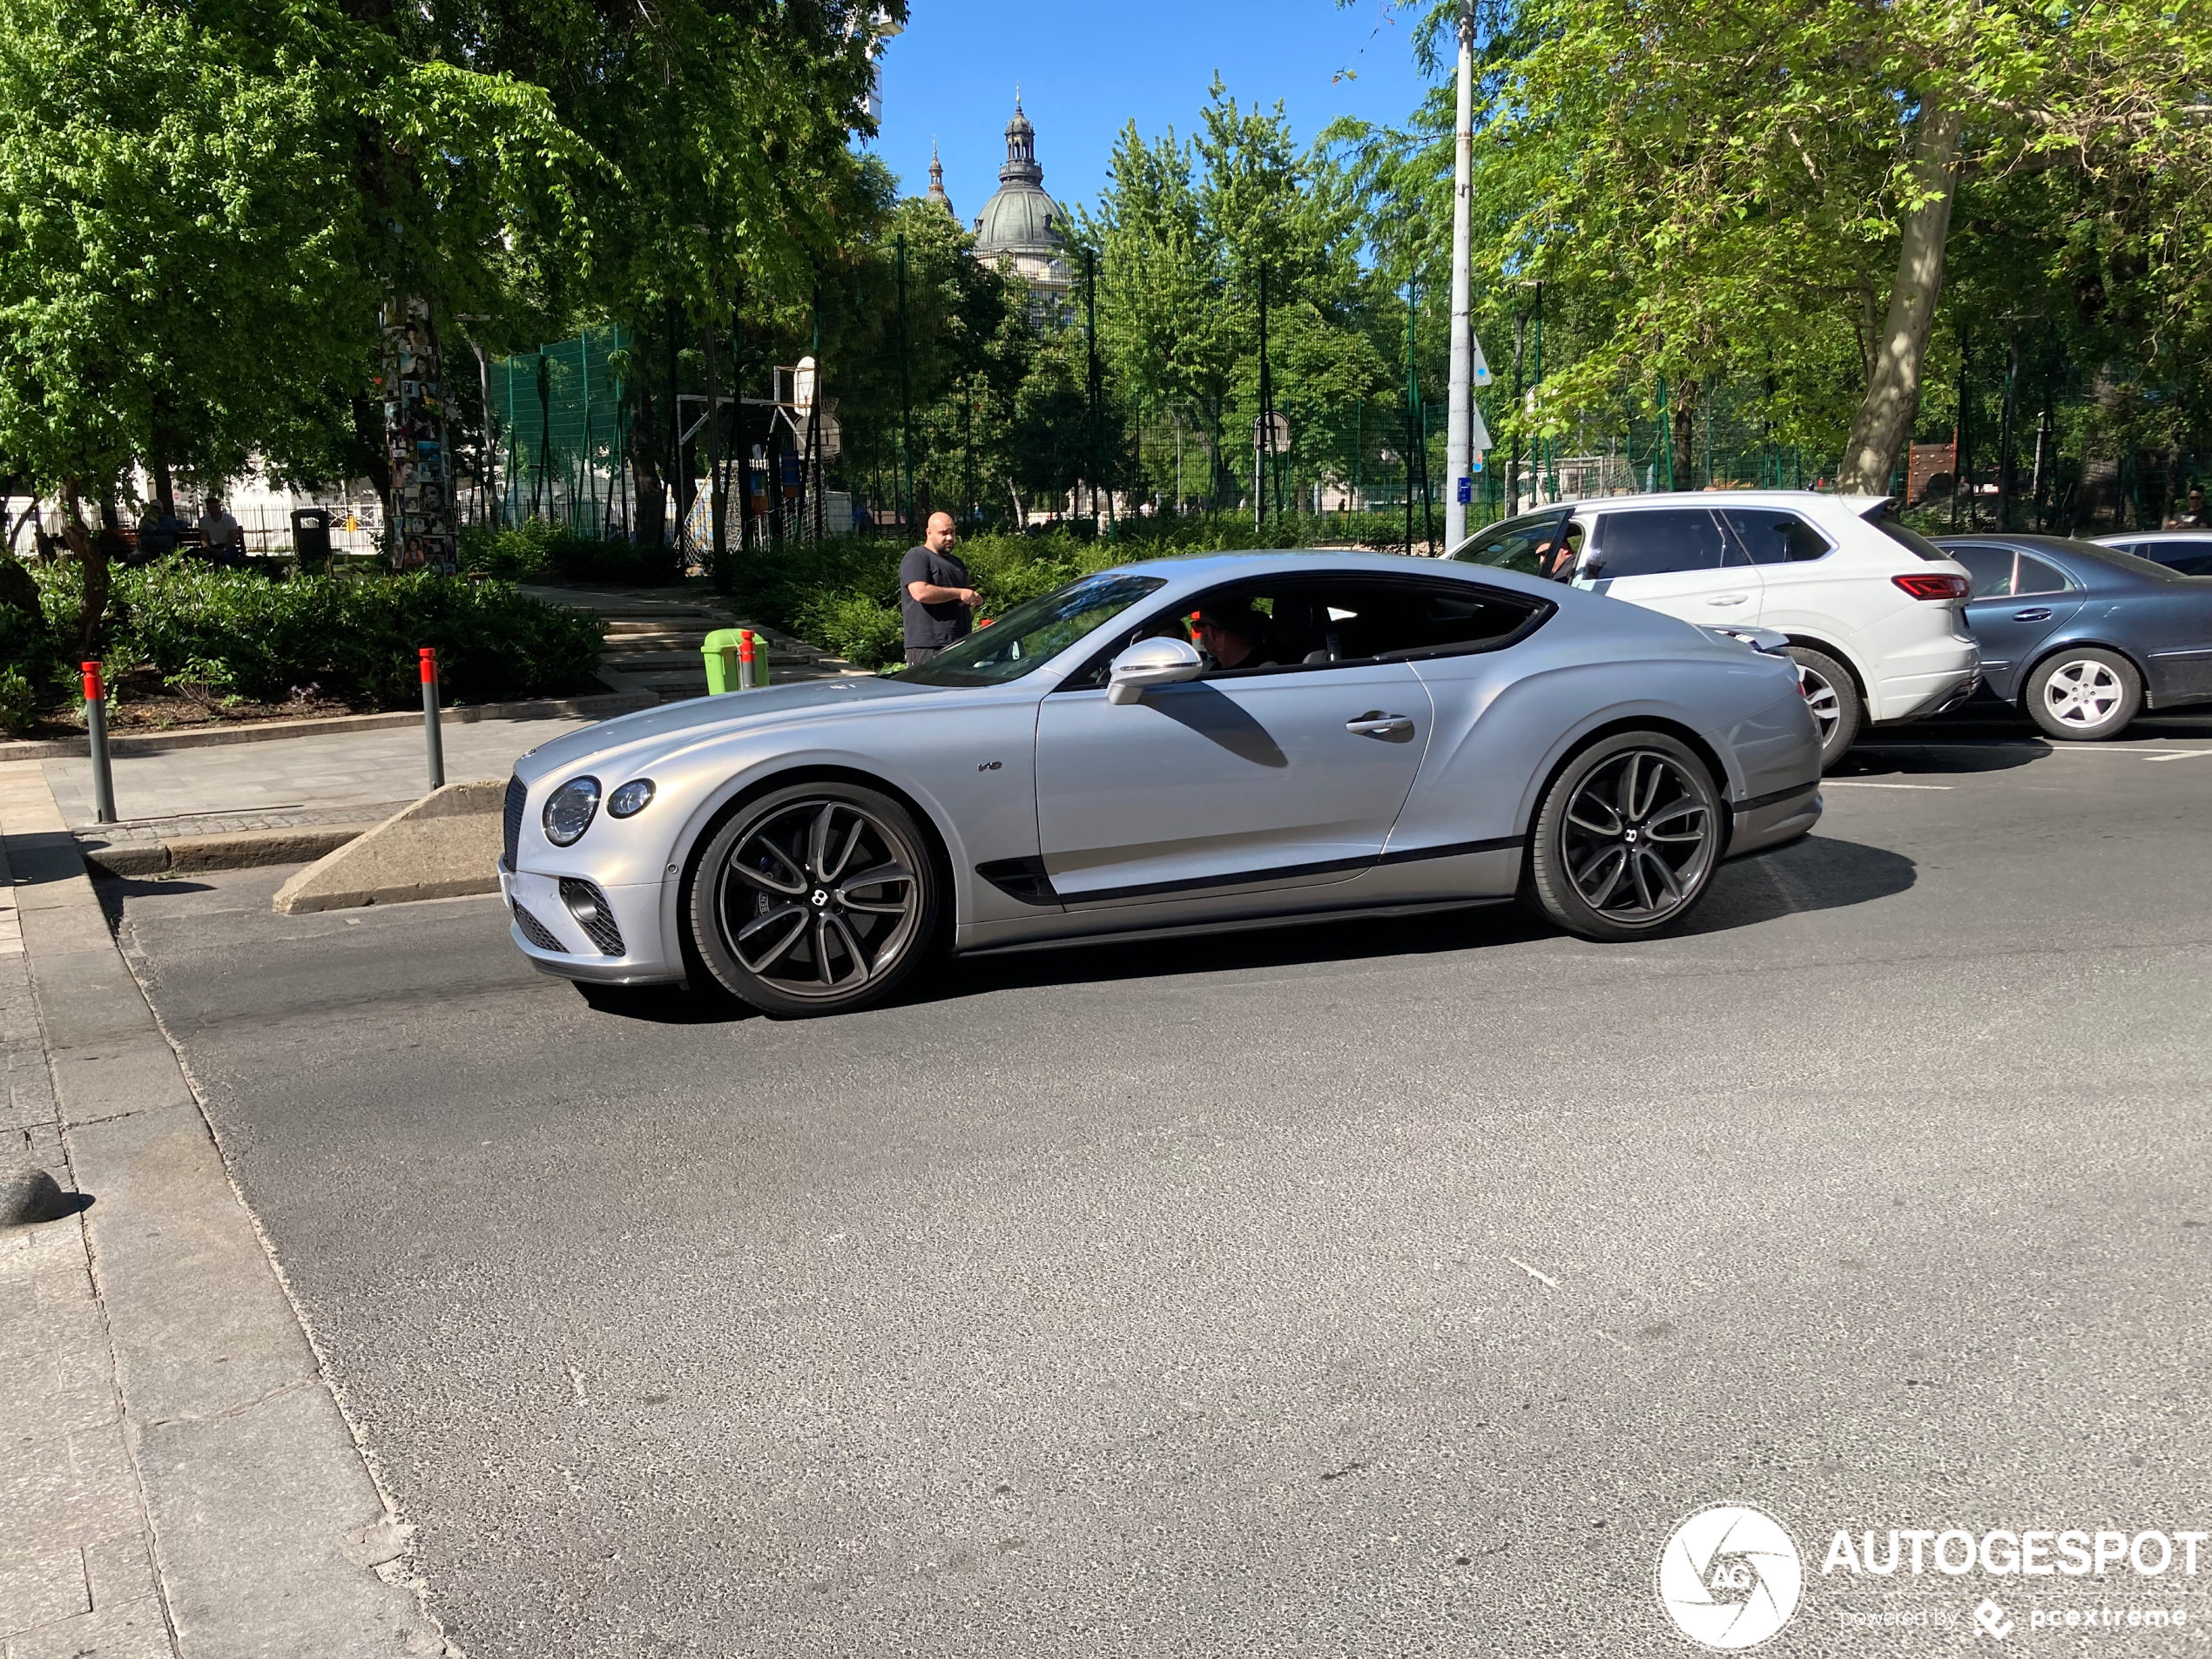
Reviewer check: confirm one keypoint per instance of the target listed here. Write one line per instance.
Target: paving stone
(128, 1630)
(40, 1584)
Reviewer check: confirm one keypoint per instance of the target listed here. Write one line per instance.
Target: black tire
(779, 917)
(1627, 839)
(2082, 694)
(1832, 695)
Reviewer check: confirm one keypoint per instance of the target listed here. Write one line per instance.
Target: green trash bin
(724, 649)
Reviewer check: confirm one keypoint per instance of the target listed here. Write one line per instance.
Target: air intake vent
(589, 906)
(536, 932)
(517, 794)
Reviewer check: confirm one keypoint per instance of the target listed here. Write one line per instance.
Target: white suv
(1873, 610)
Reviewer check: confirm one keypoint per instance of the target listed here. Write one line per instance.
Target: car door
(2017, 601)
(1805, 587)
(1286, 776)
(1673, 559)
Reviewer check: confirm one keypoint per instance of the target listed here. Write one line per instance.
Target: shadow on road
(1818, 874)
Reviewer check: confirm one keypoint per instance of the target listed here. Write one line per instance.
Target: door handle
(1375, 724)
(1728, 600)
(2037, 615)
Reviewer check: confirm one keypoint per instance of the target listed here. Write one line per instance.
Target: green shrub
(355, 637)
(540, 548)
(18, 702)
(855, 627)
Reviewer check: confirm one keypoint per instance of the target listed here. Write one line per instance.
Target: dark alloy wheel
(816, 899)
(1832, 696)
(1627, 838)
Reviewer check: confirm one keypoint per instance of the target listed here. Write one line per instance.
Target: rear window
(1884, 519)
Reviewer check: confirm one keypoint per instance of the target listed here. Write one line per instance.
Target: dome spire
(937, 180)
(1021, 148)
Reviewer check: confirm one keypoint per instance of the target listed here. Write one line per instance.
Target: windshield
(1523, 544)
(1033, 633)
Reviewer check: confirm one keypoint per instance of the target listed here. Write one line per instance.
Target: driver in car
(1232, 635)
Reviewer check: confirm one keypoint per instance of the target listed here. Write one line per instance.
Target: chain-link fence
(560, 436)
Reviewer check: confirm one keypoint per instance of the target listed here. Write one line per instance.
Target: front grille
(589, 906)
(511, 828)
(536, 932)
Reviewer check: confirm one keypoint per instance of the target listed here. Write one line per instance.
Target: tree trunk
(1885, 420)
(1682, 439)
(649, 522)
(86, 546)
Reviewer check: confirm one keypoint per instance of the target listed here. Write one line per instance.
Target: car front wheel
(2084, 694)
(816, 899)
(1626, 839)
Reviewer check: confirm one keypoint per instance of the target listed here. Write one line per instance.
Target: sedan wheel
(1833, 697)
(816, 899)
(2082, 695)
(1627, 839)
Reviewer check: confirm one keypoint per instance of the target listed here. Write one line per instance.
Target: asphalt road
(1365, 1289)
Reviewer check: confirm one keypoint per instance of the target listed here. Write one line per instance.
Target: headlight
(631, 799)
(569, 813)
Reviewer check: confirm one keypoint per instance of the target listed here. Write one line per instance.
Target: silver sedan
(1372, 736)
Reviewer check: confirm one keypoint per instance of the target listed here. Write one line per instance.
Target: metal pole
(1090, 376)
(434, 751)
(96, 729)
(1409, 418)
(718, 553)
(906, 405)
(1458, 422)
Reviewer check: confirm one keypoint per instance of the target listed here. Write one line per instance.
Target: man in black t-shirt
(938, 604)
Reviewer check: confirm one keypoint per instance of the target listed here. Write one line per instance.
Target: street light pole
(1460, 442)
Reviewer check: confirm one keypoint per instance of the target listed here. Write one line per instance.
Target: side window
(1771, 537)
(1991, 569)
(1410, 618)
(2033, 575)
(1653, 543)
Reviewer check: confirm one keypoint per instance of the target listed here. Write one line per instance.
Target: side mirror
(1152, 662)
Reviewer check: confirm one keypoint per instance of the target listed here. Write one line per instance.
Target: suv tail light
(1933, 584)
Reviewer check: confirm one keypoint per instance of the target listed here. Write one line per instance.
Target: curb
(445, 846)
(240, 850)
(601, 705)
(265, 1523)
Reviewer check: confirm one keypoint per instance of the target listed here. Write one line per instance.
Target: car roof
(2180, 533)
(1205, 570)
(1857, 506)
(2110, 559)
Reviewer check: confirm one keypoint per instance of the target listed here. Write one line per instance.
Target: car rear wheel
(1832, 696)
(2082, 695)
(1626, 839)
(816, 899)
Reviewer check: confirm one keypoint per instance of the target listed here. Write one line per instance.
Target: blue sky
(1085, 69)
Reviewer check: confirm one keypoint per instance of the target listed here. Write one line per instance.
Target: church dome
(1019, 218)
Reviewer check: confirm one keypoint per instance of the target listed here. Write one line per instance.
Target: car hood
(769, 706)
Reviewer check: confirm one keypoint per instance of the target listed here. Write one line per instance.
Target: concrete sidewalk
(269, 781)
(181, 1480)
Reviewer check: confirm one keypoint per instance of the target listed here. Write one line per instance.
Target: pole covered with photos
(423, 532)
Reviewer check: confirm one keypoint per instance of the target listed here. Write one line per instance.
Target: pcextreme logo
(1729, 1577)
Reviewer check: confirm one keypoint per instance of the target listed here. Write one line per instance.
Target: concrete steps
(654, 642)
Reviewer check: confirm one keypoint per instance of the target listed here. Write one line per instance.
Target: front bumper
(545, 923)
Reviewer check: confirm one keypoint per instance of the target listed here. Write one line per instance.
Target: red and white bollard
(746, 676)
(432, 739)
(96, 729)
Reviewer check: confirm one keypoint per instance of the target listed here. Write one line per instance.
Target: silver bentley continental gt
(1391, 736)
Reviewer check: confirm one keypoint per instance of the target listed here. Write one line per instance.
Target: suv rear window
(1884, 518)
